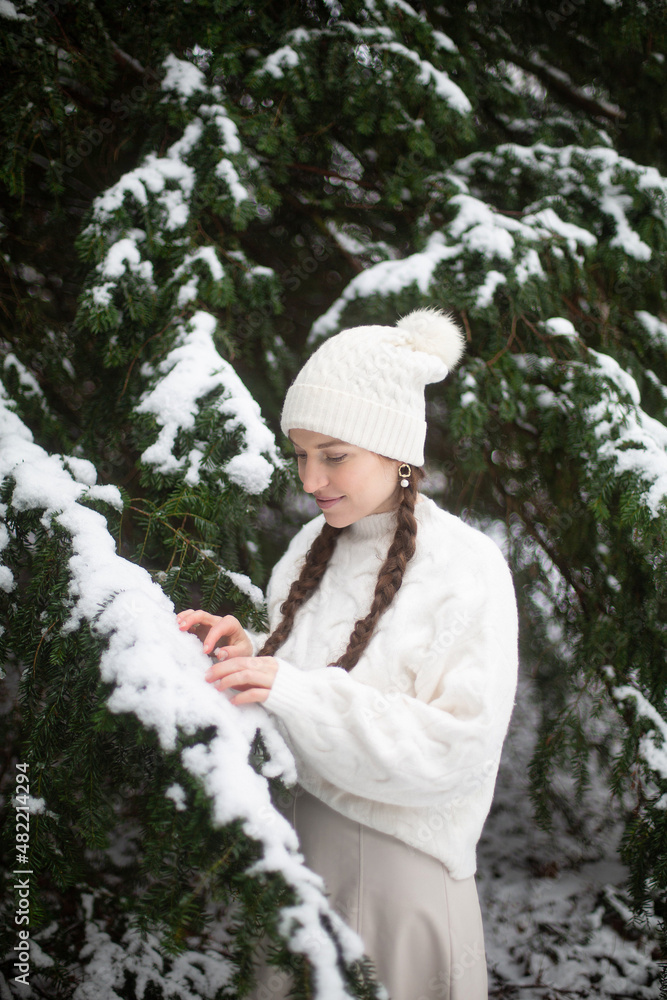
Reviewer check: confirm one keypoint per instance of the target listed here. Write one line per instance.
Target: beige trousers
(421, 928)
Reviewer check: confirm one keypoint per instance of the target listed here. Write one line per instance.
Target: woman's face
(347, 482)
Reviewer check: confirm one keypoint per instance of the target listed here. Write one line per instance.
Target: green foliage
(198, 193)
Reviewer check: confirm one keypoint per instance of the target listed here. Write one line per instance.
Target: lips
(324, 503)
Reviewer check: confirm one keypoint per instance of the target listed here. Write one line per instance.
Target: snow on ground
(552, 903)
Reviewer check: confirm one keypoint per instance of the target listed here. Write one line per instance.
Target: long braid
(388, 583)
(317, 560)
(390, 576)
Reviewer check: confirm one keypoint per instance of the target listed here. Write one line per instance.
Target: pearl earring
(404, 471)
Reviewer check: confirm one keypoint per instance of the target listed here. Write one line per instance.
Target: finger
(249, 696)
(188, 618)
(215, 634)
(188, 613)
(223, 627)
(224, 676)
(221, 671)
(229, 652)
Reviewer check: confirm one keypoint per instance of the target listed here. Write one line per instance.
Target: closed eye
(329, 458)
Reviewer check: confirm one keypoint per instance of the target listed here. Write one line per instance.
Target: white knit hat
(365, 385)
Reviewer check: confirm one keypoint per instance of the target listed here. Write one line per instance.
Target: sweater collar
(375, 527)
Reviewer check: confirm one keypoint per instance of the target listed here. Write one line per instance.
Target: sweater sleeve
(395, 748)
(257, 639)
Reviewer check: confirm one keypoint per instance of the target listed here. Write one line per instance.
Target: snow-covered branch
(157, 673)
(191, 370)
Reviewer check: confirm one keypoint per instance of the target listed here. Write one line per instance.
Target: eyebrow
(325, 444)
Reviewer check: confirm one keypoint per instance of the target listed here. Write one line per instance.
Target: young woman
(396, 629)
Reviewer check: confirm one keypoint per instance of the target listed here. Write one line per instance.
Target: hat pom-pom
(434, 332)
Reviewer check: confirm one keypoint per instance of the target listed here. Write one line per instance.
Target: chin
(338, 519)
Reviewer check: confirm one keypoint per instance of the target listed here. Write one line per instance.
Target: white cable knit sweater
(409, 741)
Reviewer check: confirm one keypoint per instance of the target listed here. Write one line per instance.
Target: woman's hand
(211, 628)
(252, 676)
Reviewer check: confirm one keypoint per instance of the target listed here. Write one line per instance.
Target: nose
(313, 476)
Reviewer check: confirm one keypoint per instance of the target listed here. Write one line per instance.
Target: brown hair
(389, 579)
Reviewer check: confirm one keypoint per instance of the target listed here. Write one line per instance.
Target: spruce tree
(194, 196)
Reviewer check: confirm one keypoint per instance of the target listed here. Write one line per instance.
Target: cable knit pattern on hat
(408, 742)
(366, 384)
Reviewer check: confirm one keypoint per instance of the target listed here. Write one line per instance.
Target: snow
(102, 294)
(187, 292)
(557, 326)
(27, 380)
(482, 229)
(249, 471)
(402, 5)
(485, 291)
(83, 470)
(191, 370)
(529, 266)
(168, 183)
(282, 57)
(125, 253)
(7, 582)
(617, 375)
(565, 167)
(209, 256)
(544, 930)
(478, 228)
(177, 794)
(227, 128)
(547, 221)
(229, 174)
(182, 76)
(240, 580)
(614, 203)
(347, 242)
(555, 920)
(9, 11)
(157, 673)
(654, 751)
(385, 278)
(656, 328)
(635, 441)
(444, 41)
(153, 175)
(190, 975)
(189, 289)
(444, 85)
(553, 73)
